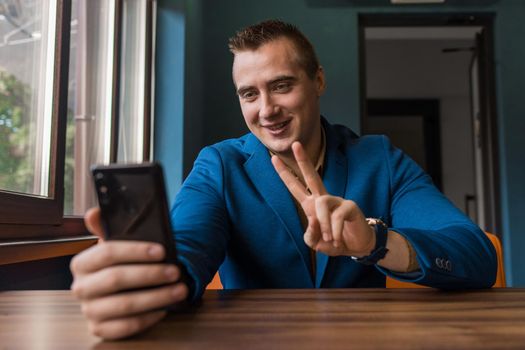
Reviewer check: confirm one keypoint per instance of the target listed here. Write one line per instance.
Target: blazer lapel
(334, 178)
(260, 170)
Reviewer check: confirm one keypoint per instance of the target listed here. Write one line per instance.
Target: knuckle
(77, 289)
(106, 253)
(319, 201)
(338, 216)
(95, 329)
(132, 325)
(325, 202)
(165, 273)
(159, 272)
(87, 310)
(113, 280)
(324, 198)
(319, 209)
(74, 265)
(351, 203)
(308, 239)
(185, 291)
(181, 292)
(124, 306)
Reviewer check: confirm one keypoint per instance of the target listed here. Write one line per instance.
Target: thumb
(313, 233)
(93, 222)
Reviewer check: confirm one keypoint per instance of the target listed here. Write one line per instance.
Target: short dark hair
(254, 36)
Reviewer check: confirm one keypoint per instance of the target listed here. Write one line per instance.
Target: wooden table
(286, 319)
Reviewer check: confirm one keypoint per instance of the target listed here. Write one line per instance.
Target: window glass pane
(90, 93)
(132, 81)
(27, 50)
(89, 99)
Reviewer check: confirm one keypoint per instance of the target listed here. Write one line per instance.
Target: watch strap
(380, 249)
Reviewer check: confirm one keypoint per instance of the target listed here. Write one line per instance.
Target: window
(90, 99)
(26, 79)
(136, 83)
(32, 92)
(62, 110)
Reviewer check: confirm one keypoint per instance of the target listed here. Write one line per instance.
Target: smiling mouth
(277, 127)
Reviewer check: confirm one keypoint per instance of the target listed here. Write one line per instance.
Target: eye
(248, 95)
(282, 87)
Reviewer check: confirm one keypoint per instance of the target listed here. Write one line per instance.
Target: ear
(320, 81)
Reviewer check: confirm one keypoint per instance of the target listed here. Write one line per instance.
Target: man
(301, 223)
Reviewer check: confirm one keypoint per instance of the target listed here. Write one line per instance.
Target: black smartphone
(133, 204)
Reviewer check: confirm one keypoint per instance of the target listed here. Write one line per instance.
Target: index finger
(311, 177)
(111, 253)
(291, 182)
(93, 222)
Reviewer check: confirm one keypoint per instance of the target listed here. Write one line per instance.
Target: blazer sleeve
(452, 252)
(200, 221)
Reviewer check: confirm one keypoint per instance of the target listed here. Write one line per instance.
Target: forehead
(273, 58)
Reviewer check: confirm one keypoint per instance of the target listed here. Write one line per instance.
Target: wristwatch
(380, 249)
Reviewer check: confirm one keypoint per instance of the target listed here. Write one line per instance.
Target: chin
(280, 148)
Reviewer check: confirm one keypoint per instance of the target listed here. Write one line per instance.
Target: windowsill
(29, 250)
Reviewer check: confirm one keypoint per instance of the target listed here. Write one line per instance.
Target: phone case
(133, 204)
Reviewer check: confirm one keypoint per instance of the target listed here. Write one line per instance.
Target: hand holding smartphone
(132, 289)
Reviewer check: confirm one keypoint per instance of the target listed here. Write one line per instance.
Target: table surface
(287, 319)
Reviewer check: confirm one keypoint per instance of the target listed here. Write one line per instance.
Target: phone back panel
(133, 204)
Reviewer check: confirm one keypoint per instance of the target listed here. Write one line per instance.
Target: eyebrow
(278, 79)
(282, 78)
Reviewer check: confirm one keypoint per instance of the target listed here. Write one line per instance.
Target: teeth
(278, 126)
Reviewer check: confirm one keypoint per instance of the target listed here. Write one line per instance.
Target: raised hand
(336, 226)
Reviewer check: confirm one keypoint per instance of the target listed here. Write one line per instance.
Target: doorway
(439, 66)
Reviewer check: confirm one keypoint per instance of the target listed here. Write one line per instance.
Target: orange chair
(215, 282)
(500, 276)
(392, 283)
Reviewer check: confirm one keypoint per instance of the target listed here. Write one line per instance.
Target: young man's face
(279, 102)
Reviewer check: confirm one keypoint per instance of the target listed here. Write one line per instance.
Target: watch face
(375, 221)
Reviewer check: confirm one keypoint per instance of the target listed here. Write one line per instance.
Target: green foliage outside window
(16, 165)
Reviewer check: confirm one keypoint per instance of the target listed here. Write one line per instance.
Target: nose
(267, 107)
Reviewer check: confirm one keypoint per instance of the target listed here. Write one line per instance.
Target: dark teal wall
(213, 110)
(510, 75)
(169, 91)
(178, 89)
(194, 91)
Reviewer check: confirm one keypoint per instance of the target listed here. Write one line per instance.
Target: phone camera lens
(103, 189)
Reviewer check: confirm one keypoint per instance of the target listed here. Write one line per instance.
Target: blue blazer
(233, 213)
